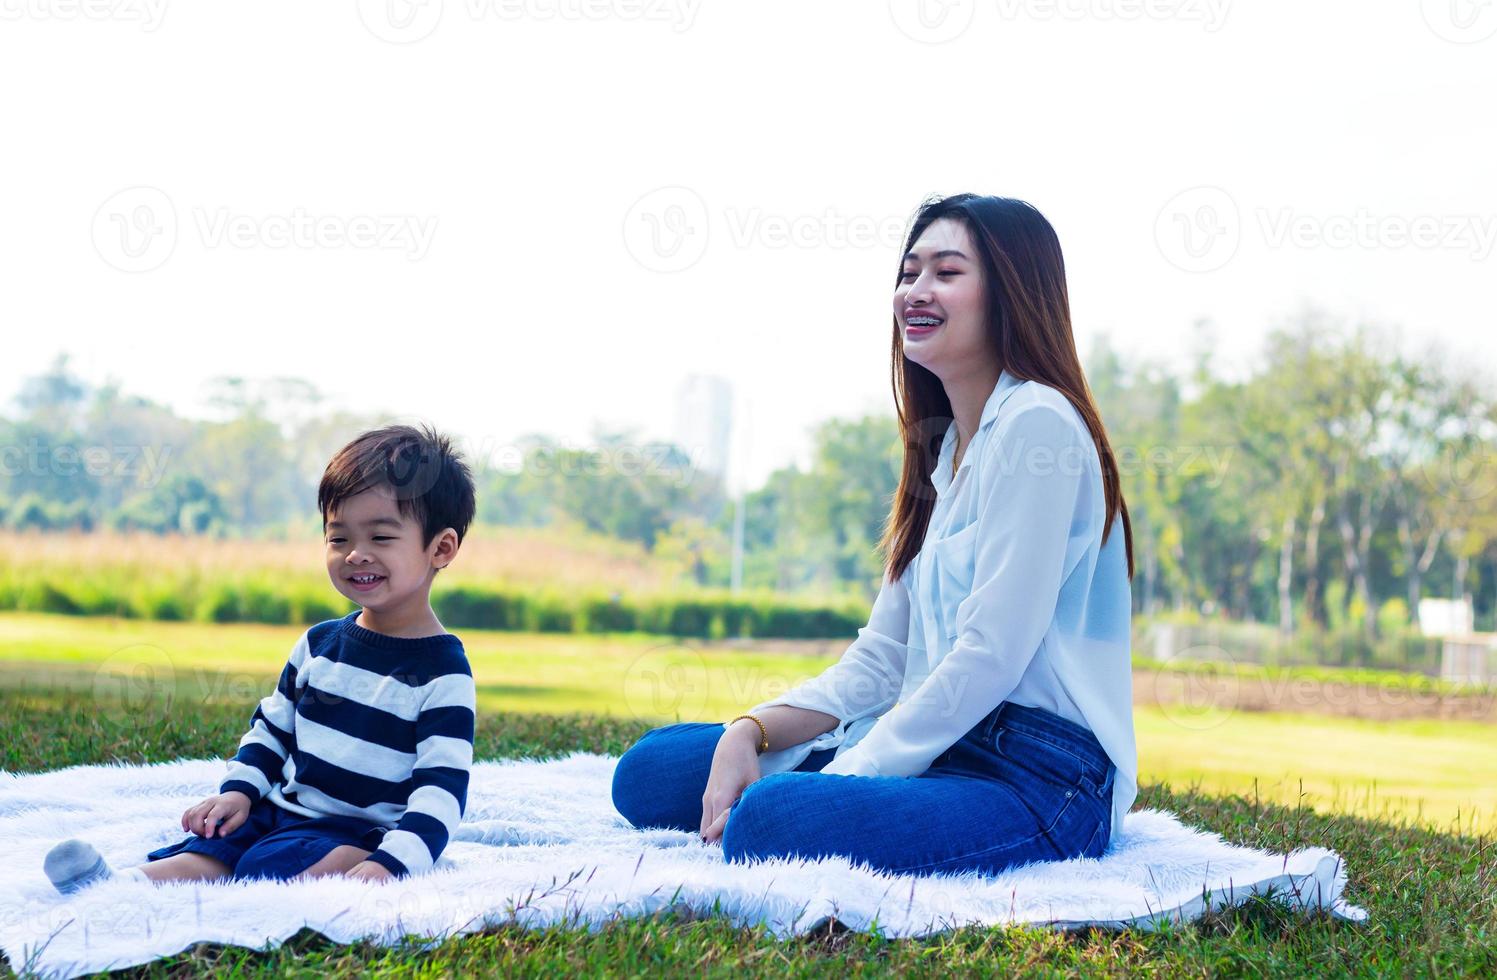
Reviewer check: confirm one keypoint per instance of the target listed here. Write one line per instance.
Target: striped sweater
(369, 726)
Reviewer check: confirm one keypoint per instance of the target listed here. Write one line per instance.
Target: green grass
(1443, 773)
(1401, 681)
(1440, 773)
(1432, 896)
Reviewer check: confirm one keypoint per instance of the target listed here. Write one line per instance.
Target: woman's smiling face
(940, 303)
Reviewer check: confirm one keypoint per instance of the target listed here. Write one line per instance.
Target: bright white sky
(505, 157)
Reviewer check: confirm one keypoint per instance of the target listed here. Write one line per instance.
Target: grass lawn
(1432, 896)
(1443, 773)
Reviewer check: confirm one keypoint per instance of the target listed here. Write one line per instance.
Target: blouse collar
(942, 478)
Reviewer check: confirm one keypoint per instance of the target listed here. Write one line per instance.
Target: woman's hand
(735, 765)
(221, 814)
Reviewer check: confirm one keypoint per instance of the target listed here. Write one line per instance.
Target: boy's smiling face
(368, 538)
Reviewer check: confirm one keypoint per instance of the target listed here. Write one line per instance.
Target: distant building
(704, 422)
(1445, 617)
(1469, 659)
(1466, 657)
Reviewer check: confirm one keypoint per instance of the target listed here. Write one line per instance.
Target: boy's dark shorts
(276, 843)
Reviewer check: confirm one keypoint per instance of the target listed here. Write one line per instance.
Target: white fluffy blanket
(541, 843)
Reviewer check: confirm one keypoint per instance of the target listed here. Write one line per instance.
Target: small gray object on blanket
(541, 843)
(74, 864)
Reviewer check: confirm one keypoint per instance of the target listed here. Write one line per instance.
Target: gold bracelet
(763, 732)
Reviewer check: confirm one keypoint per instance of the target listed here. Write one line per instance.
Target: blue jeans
(276, 843)
(1022, 785)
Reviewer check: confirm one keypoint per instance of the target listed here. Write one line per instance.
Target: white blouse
(1015, 598)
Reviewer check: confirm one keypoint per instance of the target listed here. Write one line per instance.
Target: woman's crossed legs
(970, 810)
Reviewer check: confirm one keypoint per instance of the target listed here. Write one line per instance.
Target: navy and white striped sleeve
(259, 763)
(439, 777)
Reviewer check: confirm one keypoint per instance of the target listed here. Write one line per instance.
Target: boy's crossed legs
(200, 867)
(74, 864)
(266, 842)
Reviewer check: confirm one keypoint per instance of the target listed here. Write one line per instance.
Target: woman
(983, 718)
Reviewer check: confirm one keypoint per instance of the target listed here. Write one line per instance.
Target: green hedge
(262, 598)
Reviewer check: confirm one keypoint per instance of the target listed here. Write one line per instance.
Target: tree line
(1329, 484)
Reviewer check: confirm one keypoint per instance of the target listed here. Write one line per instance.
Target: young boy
(357, 763)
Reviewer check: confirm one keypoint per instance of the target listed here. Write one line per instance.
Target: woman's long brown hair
(1029, 324)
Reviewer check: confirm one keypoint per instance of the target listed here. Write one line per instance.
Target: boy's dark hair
(428, 478)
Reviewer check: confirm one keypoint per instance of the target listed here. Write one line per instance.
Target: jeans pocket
(1097, 846)
(1043, 759)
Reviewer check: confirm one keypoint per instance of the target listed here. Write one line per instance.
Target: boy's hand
(369, 871)
(217, 815)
